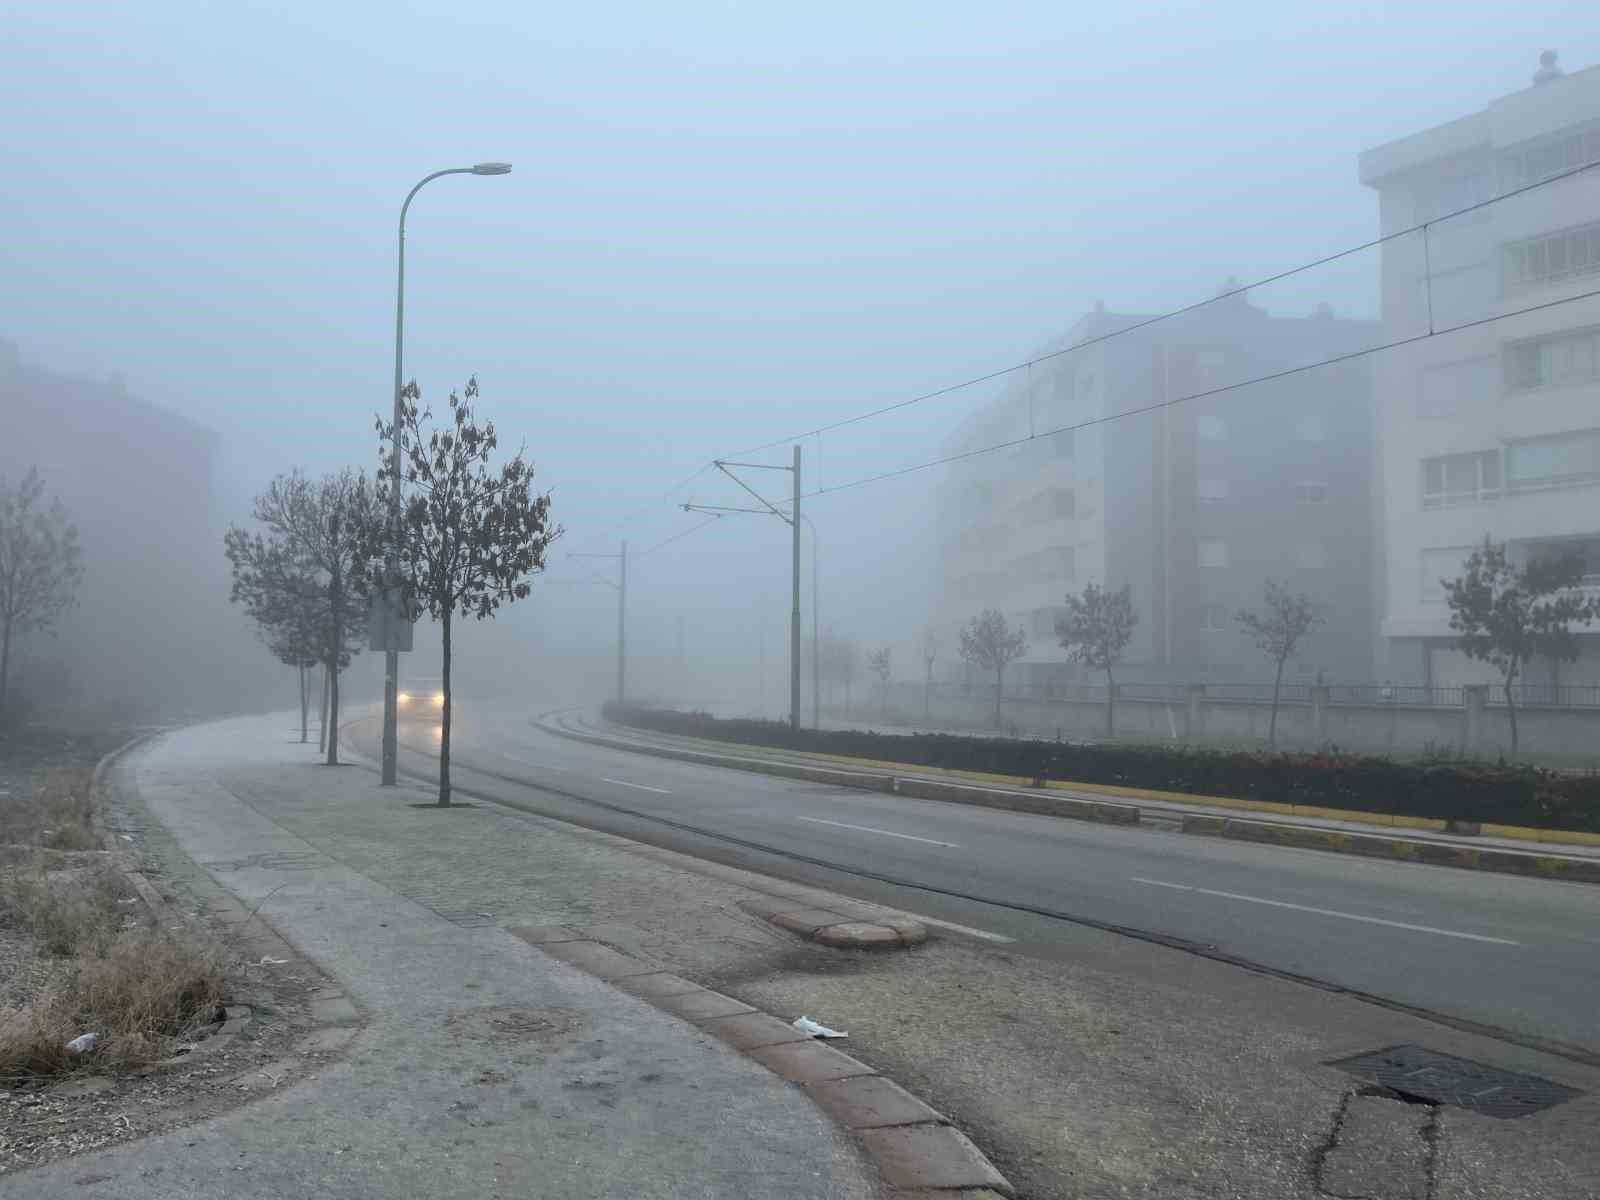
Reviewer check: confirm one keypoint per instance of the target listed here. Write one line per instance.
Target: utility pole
(794, 614)
(793, 519)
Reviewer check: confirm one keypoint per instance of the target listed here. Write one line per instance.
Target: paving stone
(871, 1102)
(543, 935)
(656, 984)
(807, 921)
(858, 935)
(334, 1010)
(702, 1005)
(931, 1156)
(809, 1062)
(749, 1030)
(598, 960)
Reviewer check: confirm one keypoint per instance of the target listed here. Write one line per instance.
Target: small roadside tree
(989, 643)
(878, 662)
(1278, 629)
(40, 567)
(1504, 614)
(309, 575)
(471, 536)
(930, 651)
(1095, 631)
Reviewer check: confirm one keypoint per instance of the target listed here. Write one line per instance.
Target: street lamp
(391, 680)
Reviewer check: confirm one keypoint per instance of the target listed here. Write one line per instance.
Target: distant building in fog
(1194, 505)
(1493, 430)
(151, 631)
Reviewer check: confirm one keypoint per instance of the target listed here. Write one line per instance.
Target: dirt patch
(509, 1023)
(79, 949)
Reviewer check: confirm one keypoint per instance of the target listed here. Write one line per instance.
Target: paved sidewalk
(486, 1068)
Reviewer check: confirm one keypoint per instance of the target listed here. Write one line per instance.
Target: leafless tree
(989, 643)
(1095, 631)
(40, 567)
(1278, 629)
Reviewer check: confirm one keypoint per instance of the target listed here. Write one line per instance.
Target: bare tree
(1505, 614)
(989, 643)
(1278, 629)
(313, 564)
(39, 565)
(1095, 631)
(472, 536)
(878, 662)
(930, 651)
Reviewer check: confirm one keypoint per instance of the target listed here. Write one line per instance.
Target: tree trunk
(304, 705)
(999, 682)
(1272, 722)
(322, 712)
(1111, 704)
(1511, 711)
(336, 595)
(5, 664)
(444, 726)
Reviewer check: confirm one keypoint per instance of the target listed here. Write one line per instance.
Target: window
(1565, 358)
(1213, 618)
(1311, 493)
(1567, 460)
(1460, 478)
(1437, 566)
(1311, 556)
(1213, 490)
(1531, 163)
(1211, 428)
(1312, 427)
(1553, 257)
(1213, 552)
(1585, 550)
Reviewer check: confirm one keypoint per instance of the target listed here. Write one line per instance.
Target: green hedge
(1462, 791)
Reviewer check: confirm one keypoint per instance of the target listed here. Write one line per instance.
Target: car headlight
(402, 697)
(438, 699)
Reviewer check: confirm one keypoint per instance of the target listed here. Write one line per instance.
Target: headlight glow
(438, 699)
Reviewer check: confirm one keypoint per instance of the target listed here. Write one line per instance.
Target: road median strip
(1530, 863)
(912, 1145)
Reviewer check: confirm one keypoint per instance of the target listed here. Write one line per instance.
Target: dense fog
(731, 231)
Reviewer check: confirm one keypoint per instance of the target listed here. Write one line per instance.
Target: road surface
(1517, 954)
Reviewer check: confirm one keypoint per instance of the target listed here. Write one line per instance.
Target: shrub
(1462, 789)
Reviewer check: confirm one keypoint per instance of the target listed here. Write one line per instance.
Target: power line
(1216, 391)
(668, 541)
(1167, 316)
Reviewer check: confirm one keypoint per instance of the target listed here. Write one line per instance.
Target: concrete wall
(1476, 727)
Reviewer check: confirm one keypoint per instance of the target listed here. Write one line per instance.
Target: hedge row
(1463, 791)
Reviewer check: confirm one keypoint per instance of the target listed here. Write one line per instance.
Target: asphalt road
(1518, 954)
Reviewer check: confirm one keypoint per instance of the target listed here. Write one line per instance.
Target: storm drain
(1415, 1073)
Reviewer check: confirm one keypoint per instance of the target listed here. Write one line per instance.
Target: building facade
(1145, 457)
(1489, 416)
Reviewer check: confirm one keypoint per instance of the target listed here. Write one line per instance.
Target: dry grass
(58, 813)
(135, 987)
(148, 988)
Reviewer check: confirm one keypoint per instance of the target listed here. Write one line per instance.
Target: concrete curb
(914, 1147)
(1305, 837)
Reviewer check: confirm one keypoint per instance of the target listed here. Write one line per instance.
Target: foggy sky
(726, 224)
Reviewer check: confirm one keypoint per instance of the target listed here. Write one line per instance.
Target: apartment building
(1145, 457)
(1489, 422)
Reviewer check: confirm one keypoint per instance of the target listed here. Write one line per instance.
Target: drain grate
(1416, 1073)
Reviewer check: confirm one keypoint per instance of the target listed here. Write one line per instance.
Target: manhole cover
(1420, 1074)
(502, 1023)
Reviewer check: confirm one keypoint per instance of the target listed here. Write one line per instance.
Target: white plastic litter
(82, 1044)
(271, 962)
(807, 1025)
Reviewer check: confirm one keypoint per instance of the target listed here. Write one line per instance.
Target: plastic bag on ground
(807, 1025)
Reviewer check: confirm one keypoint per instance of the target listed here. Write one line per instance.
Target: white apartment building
(1491, 427)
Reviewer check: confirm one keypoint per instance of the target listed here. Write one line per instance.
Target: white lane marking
(1327, 912)
(643, 787)
(886, 832)
(977, 933)
(528, 762)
